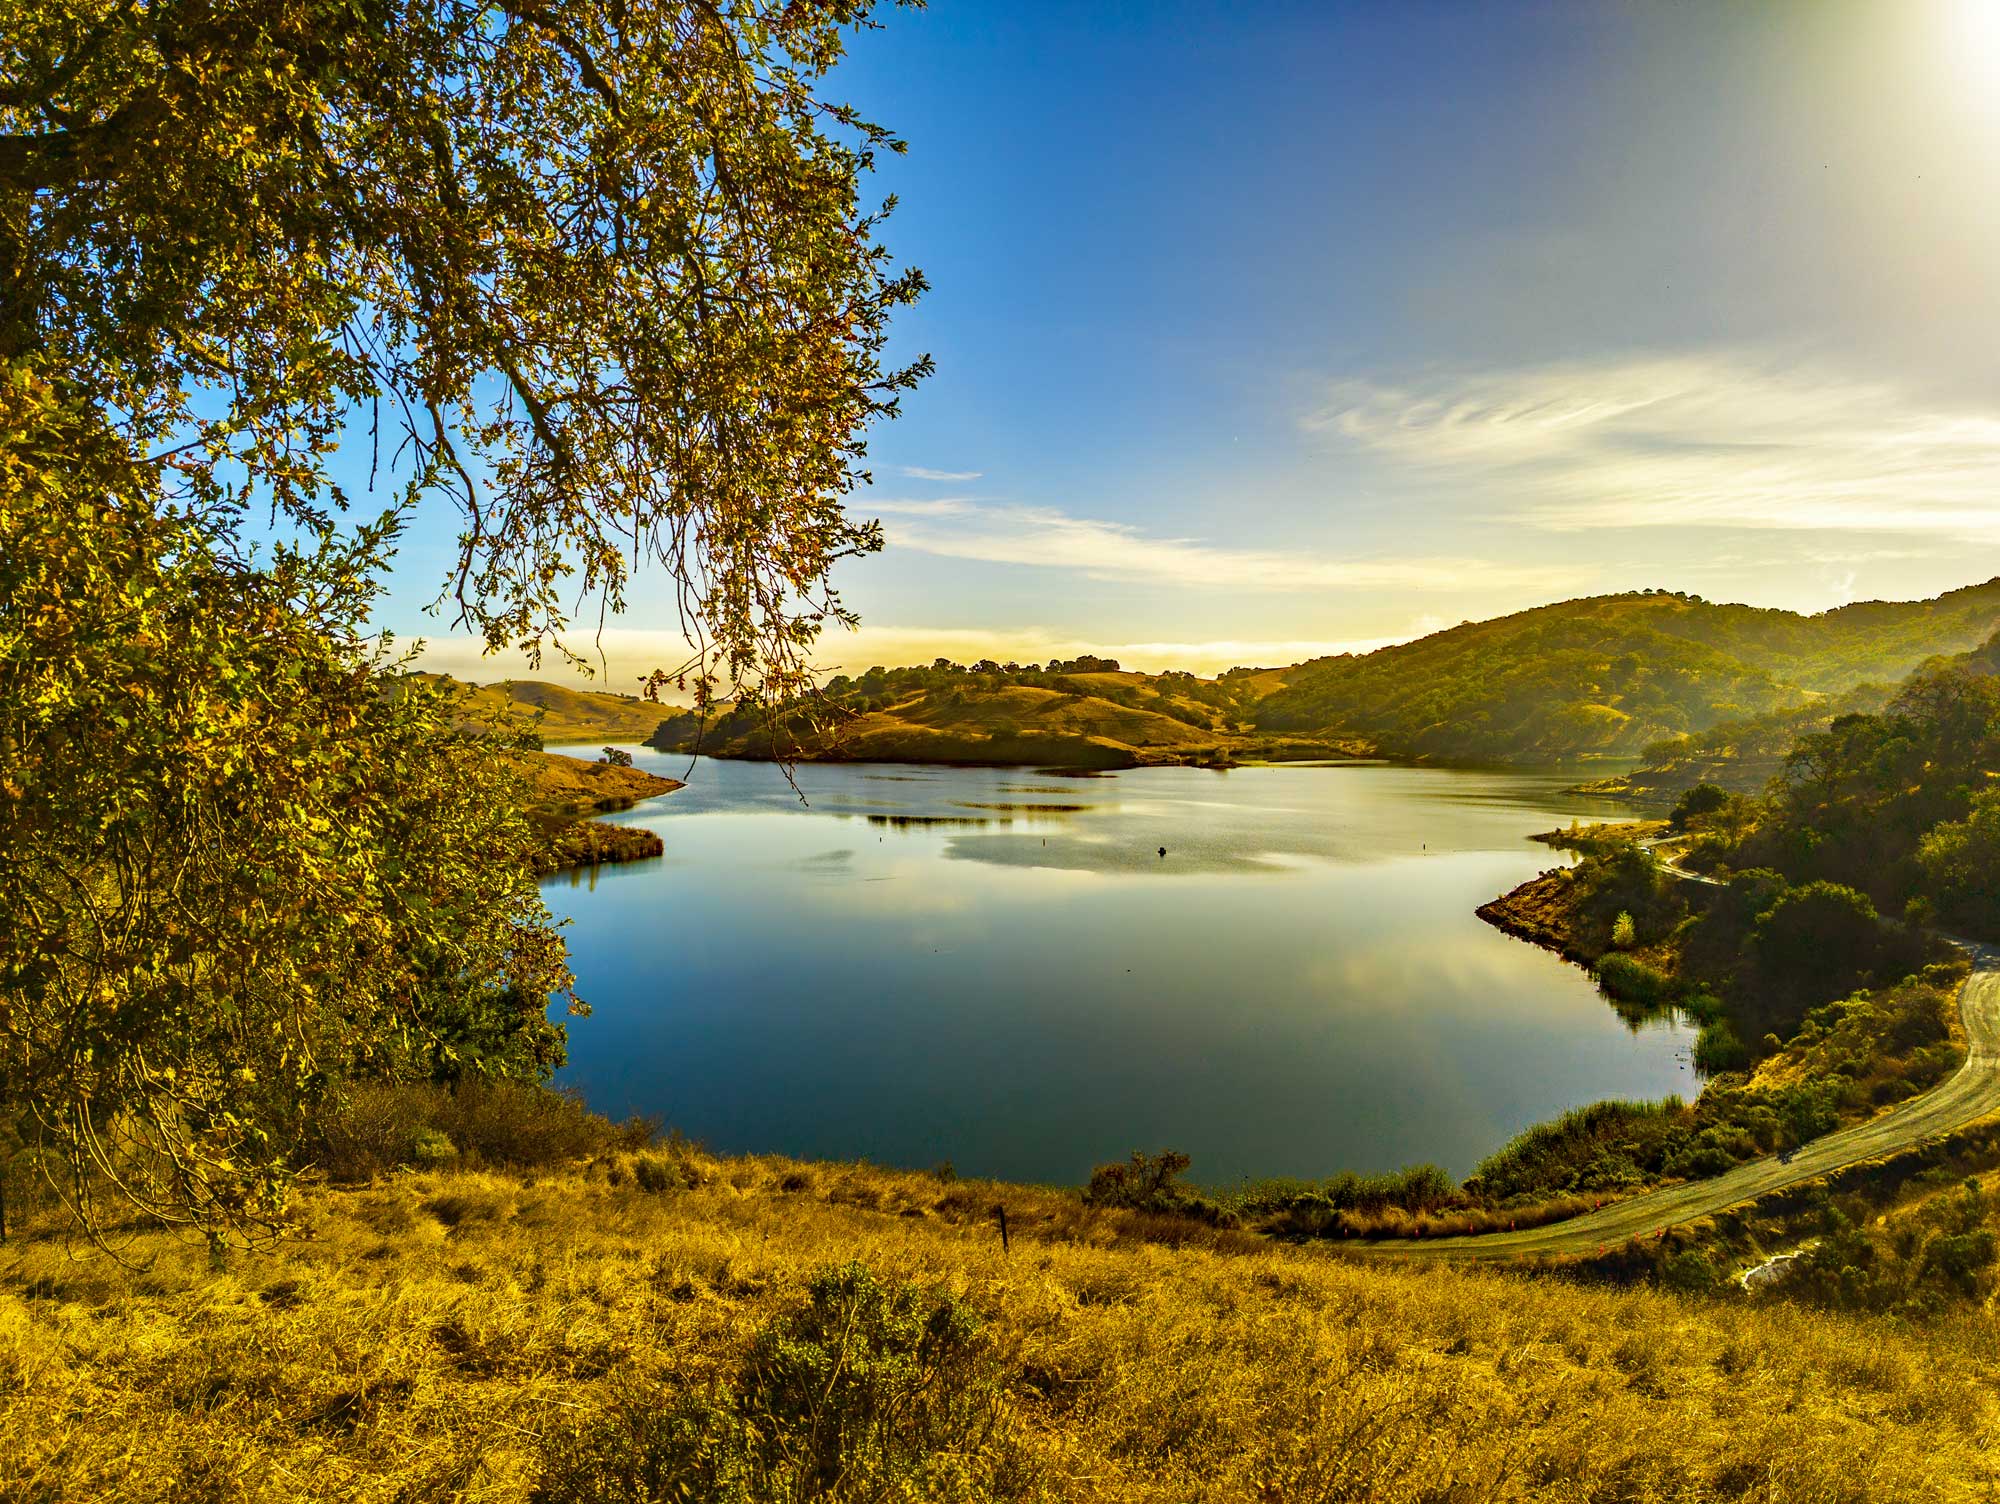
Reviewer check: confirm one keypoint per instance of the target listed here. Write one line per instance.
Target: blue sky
(1267, 330)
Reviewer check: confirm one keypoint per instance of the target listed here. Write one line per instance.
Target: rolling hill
(1605, 677)
(1096, 716)
(559, 713)
(1608, 676)
(551, 1331)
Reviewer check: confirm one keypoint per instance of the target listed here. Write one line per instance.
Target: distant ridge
(1607, 676)
(1598, 678)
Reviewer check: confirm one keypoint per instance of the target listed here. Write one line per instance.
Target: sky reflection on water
(1300, 985)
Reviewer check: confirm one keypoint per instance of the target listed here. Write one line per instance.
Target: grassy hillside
(560, 714)
(573, 786)
(1091, 717)
(1612, 675)
(560, 1335)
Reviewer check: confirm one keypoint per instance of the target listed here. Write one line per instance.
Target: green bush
(1632, 981)
(1938, 1257)
(1347, 1205)
(1414, 1188)
(430, 1149)
(1961, 864)
(1717, 1049)
(1602, 1146)
(1144, 1183)
(870, 1391)
(1822, 941)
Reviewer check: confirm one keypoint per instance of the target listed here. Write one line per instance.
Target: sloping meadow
(665, 1324)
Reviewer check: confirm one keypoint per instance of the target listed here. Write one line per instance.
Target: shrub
(374, 1129)
(431, 1149)
(1624, 935)
(871, 1390)
(1961, 864)
(1146, 1183)
(656, 1174)
(1630, 980)
(1717, 1049)
(1939, 1255)
(522, 1124)
(1601, 1146)
(1822, 941)
(1623, 882)
(1690, 1271)
(1349, 1205)
(1809, 1109)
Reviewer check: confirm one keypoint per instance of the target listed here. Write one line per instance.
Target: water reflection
(933, 822)
(1299, 985)
(1047, 809)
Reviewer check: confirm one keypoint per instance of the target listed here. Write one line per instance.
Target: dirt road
(1972, 1093)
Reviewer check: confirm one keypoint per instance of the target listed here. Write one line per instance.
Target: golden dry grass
(426, 1336)
(560, 713)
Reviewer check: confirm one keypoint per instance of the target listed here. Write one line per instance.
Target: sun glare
(1972, 36)
(1978, 24)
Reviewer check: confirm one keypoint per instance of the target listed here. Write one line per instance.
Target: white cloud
(1710, 441)
(959, 528)
(924, 472)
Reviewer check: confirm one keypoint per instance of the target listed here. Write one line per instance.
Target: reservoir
(997, 968)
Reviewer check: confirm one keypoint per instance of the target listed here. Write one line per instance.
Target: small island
(565, 791)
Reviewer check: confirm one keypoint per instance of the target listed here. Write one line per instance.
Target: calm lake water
(997, 968)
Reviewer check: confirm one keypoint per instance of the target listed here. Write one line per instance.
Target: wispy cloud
(922, 472)
(960, 528)
(1698, 440)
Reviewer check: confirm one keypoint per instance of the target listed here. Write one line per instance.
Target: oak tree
(597, 273)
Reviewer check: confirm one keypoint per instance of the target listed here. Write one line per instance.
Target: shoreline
(569, 792)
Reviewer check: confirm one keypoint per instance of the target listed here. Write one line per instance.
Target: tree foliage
(1961, 866)
(598, 270)
(237, 873)
(1857, 801)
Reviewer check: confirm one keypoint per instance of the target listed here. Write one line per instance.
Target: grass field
(463, 1335)
(561, 714)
